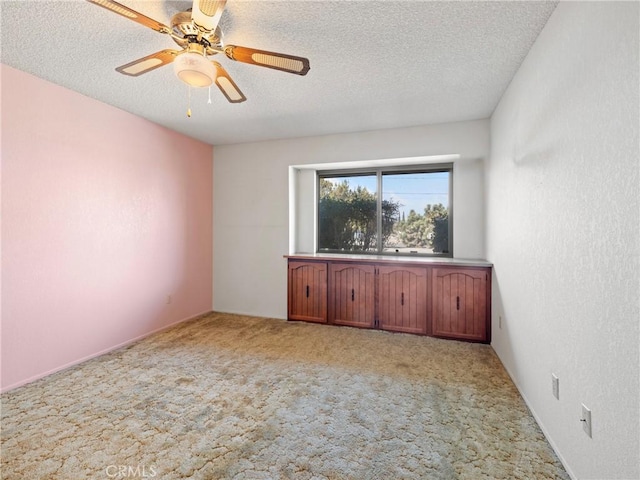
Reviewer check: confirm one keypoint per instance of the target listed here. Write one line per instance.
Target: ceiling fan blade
(132, 15)
(278, 61)
(148, 63)
(227, 86)
(206, 13)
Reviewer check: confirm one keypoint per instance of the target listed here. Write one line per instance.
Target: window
(386, 211)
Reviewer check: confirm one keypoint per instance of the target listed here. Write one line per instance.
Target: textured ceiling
(374, 64)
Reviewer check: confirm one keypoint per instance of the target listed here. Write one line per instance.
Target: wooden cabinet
(460, 304)
(351, 294)
(402, 299)
(448, 299)
(307, 291)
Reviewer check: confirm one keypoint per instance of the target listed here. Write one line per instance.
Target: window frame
(379, 172)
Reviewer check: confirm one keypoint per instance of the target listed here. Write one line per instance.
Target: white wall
(251, 210)
(563, 231)
(304, 205)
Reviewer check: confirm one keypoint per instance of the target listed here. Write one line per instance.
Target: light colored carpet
(234, 397)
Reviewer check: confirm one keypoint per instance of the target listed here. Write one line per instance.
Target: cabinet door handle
(457, 303)
(307, 291)
(353, 294)
(402, 298)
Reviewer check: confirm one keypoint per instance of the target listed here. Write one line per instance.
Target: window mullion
(379, 213)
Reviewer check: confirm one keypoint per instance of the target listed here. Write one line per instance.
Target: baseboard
(101, 352)
(245, 314)
(538, 421)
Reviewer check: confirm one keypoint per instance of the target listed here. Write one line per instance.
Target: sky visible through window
(413, 190)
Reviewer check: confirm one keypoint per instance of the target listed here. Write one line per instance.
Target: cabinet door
(402, 299)
(308, 291)
(351, 295)
(460, 303)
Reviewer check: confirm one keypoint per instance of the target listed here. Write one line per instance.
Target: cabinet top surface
(441, 261)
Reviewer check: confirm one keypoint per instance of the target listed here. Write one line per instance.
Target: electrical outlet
(169, 299)
(586, 420)
(555, 385)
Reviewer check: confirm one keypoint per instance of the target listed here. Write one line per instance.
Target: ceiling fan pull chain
(209, 101)
(189, 106)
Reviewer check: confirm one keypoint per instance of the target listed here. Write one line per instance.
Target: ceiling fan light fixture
(194, 69)
(198, 34)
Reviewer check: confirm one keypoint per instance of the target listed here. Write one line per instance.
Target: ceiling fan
(198, 34)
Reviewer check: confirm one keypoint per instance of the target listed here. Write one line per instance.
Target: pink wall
(104, 215)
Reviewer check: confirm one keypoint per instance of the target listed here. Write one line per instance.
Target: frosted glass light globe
(194, 69)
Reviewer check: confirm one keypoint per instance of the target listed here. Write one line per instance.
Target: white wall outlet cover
(555, 385)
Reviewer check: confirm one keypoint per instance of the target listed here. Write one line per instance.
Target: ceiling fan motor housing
(186, 33)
